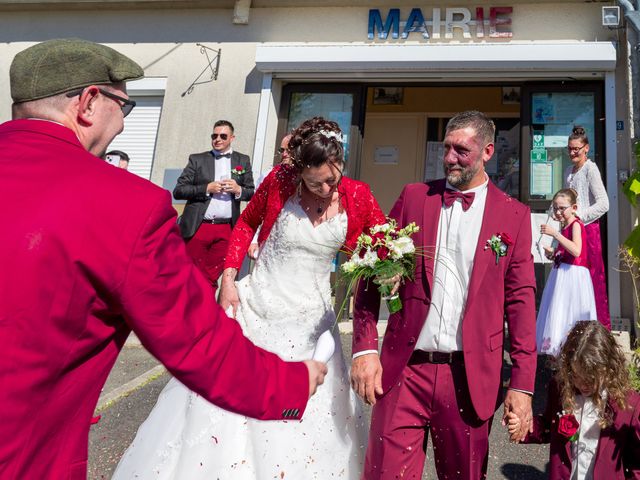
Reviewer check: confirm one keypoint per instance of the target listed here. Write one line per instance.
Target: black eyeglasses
(281, 150)
(577, 149)
(561, 209)
(223, 136)
(127, 104)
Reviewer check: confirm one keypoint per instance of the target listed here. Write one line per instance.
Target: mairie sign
(494, 23)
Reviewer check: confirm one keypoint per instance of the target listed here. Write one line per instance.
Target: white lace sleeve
(600, 204)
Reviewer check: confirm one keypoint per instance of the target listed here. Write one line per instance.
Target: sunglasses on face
(223, 136)
(126, 106)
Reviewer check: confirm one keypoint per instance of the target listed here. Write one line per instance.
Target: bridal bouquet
(386, 254)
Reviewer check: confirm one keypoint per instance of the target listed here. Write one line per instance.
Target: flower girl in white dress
(568, 294)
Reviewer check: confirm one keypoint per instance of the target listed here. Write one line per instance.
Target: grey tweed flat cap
(62, 65)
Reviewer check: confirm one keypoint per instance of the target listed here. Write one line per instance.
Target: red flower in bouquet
(568, 426)
(383, 253)
(387, 255)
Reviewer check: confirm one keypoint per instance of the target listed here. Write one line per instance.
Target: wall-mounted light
(610, 16)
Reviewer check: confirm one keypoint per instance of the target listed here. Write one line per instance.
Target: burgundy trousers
(208, 247)
(428, 398)
(596, 269)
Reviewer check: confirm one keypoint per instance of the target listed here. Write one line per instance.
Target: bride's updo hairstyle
(315, 142)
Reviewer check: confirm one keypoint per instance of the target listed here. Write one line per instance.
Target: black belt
(420, 356)
(217, 221)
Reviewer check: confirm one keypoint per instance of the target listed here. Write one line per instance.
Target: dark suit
(206, 242)
(192, 187)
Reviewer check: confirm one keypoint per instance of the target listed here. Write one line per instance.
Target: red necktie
(450, 196)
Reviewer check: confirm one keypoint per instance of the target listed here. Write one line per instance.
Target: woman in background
(584, 177)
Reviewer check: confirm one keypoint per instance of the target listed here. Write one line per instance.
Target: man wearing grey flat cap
(81, 268)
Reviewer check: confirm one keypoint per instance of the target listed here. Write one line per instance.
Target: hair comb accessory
(331, 134)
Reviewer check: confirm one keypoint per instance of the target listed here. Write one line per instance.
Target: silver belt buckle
(430, 356)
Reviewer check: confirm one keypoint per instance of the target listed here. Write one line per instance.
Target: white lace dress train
(285, 306)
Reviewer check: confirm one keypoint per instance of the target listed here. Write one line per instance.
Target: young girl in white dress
(568, 295)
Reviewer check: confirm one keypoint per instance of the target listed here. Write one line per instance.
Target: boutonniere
(568, 426)
(238, 170)
(499, 244)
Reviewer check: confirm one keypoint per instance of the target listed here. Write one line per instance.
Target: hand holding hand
(518, 403)
(366, 377)
(513, 426)
(548, 230)
(317, 371)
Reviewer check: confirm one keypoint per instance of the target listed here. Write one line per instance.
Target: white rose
(402, 246)
(370, 258)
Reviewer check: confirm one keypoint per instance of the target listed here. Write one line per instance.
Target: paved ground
(129, 395)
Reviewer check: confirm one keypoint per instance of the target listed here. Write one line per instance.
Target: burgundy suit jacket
(90, 252)
(496, 291)
(363, 211)
(618, 454)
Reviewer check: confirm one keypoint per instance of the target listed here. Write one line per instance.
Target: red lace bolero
(356, 198)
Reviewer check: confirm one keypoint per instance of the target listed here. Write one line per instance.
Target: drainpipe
(632, 16)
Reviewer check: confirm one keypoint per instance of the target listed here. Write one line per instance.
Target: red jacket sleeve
(170, 306)
(367, 298)
(248, 223)
(519, 294)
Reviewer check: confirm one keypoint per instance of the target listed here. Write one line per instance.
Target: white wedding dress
(285, 304)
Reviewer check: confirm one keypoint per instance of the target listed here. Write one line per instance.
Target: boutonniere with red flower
(568, 426)
(499, 244)
(238, 170)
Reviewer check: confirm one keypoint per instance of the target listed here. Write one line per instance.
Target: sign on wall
(494, 22)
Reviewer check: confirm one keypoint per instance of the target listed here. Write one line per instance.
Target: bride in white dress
(307, 215)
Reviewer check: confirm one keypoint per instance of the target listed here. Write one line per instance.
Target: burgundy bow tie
(450, 196)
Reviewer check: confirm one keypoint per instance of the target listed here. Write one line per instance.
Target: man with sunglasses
(92, 253)
(213, 183)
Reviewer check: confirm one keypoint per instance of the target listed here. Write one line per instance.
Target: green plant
(629, 255)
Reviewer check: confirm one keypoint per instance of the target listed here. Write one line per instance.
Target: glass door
(549, 113)
(341, 103)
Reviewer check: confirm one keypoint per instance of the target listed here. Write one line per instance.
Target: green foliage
(634, 370)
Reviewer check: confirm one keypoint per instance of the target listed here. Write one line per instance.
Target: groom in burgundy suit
(442, 354)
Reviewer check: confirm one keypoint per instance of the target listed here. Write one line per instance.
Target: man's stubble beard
(463, 179)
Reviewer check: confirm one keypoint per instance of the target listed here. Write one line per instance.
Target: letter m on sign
(392, 23)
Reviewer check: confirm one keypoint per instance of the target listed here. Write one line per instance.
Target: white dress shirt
(583, 450)
(220, 204)
(456, 243)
